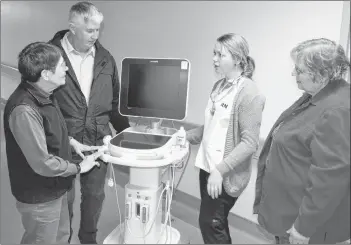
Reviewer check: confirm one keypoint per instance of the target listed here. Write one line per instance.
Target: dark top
(36, 178)
(89, 124)
(304, 167)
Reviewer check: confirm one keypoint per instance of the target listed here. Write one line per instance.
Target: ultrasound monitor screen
(153, 87)
(156, 88)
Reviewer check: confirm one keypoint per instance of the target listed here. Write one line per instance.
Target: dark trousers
(282, 239)
(93, 195)
(213, 219)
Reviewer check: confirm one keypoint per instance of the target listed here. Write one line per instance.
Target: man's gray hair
(85, 10)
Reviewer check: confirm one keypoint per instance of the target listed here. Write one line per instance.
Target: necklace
(215, 94)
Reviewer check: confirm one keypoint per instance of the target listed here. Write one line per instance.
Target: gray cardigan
(242, 138)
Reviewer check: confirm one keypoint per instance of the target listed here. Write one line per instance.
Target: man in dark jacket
(38, 149)
(88, 101)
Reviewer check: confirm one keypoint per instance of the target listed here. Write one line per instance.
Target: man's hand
(89, 162)
(214, 184)
(296, 237)
(80, 148)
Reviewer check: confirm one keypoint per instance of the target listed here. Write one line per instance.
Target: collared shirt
(31, 139)
(83, 66)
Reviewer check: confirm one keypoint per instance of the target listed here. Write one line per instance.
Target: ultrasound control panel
(139, 141)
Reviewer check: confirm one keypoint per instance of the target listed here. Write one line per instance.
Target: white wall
(189, 30)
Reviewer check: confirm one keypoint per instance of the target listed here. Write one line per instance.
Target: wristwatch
(78, 168)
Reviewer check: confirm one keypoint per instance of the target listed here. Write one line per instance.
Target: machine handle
(168, 157)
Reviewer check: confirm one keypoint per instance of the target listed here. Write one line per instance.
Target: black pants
(93, 195)
(213, 219)
(282, 239)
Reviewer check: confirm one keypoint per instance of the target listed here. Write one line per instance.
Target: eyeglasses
(300, 71)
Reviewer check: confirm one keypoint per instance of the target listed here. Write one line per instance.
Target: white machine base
(170, 236)
(147, 155)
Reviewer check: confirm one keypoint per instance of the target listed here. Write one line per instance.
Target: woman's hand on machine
(214, 183)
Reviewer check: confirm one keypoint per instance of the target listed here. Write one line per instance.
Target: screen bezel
(154, 113)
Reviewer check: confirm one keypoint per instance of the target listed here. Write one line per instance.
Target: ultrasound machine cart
(150, 88)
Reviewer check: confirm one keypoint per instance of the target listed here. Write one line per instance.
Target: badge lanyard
(215, 94)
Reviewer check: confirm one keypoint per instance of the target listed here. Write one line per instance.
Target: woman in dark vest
(38, 149)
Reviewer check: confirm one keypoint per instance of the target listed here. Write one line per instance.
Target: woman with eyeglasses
(303, 180)
(229, 137)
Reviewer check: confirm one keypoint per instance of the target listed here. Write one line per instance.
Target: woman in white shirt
(229, 136)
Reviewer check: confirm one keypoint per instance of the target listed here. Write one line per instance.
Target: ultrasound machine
(155, 89)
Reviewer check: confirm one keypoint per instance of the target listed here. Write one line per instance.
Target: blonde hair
(325, 59)
(239, 49)
(86, 11)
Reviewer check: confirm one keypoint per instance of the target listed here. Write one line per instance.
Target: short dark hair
(35, 58)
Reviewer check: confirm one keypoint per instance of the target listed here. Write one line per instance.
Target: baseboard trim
(188, 206)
